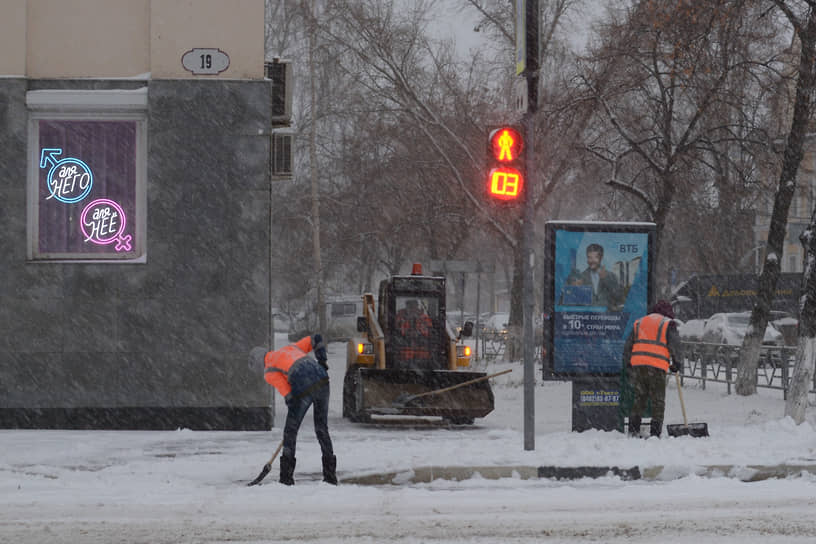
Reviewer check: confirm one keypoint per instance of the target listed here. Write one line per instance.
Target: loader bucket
(371, 391)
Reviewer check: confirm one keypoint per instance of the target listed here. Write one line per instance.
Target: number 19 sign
(205, 61)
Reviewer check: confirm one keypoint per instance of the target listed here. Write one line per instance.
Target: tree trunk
(513, 348)
(747, 369)
(802, 379)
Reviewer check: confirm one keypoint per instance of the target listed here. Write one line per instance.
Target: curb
(424, 475)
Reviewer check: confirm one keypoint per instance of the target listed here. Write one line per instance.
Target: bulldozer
(409, 361)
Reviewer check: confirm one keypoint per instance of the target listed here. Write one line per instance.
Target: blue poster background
(588, 337)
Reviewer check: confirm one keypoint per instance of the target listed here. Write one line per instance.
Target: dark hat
(663, 307)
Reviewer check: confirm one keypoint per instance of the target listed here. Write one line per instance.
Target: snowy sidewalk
(751, 481)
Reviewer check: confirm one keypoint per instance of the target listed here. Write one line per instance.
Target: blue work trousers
(297, 408)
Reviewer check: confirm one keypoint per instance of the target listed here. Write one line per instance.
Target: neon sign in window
(86, 188)
(103, 222)
(69, 180)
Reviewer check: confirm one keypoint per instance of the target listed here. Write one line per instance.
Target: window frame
(87, 105)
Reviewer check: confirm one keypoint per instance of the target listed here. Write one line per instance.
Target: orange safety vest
(651, 342)
(279, 363)
(416, 328)
(420, 324)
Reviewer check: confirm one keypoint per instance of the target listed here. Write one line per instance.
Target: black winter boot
(634, 426)
(655, 427)
(330, 469)
(287, 470)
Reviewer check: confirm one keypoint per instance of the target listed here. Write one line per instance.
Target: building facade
(799, 216)
(134, 228)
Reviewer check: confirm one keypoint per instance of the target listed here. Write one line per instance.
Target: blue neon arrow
(47, 155)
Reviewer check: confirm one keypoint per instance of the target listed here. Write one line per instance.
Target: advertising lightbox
(598, 282)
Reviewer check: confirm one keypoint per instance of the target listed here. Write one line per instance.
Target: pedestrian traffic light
(505, 163)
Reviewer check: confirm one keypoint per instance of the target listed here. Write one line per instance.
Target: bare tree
(805, 366)
(281, 24)
(802, 17)
(449, 105)
(672, 81)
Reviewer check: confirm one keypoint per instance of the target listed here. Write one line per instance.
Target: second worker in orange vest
(651, 350)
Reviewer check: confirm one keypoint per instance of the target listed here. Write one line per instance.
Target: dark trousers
(649, 384)
(297, 409)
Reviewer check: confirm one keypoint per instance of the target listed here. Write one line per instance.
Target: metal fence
(718, 363)
(701, 361)
(493, 344)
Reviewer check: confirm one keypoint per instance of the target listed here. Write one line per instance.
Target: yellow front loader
(408, 350)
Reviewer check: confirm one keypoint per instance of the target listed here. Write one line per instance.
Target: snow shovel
(404, 399)
(695, 430)
(267, 467)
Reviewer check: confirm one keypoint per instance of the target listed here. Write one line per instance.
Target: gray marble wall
(156, 345)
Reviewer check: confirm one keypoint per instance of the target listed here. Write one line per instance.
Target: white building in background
(799, 216)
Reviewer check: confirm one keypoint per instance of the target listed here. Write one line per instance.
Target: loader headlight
(365, 349)
(462, 351)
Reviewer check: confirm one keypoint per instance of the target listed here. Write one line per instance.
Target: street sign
(521, 35)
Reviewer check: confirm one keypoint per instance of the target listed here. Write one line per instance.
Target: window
(418, 304)
(282, 157)
(341, 309)
(86, 177)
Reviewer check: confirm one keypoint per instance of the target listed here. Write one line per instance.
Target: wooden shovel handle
(680, 394)
(275, 455)
(483, 378)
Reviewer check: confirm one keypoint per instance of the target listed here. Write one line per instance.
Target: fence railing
(718, 363)
(492, 344)
(703, 362)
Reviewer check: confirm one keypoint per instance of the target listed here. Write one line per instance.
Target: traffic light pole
(528, 304)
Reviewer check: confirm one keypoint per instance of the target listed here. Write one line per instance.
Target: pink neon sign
(103, 222)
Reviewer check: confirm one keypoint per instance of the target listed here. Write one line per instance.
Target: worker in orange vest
(414, 327)
(303, 381)
(412, 321)
(651, 350)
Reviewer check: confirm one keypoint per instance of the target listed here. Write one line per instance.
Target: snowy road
(597, 511)
(185, 486)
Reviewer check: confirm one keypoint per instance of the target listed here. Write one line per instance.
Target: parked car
(730, 328)
(496, 326)
(341, 319)
(691, 330)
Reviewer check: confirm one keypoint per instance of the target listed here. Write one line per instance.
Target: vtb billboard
(598, 281)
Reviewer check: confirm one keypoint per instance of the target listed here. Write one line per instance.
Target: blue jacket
(305, 376)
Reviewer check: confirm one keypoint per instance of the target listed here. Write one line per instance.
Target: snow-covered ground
(186, 486)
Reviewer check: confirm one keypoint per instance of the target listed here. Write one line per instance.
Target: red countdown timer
(505, 179)
(505, 183)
